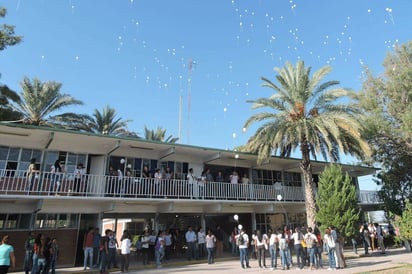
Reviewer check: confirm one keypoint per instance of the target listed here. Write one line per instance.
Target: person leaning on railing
(32, 173)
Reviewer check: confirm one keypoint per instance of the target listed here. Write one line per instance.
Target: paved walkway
(231, 265)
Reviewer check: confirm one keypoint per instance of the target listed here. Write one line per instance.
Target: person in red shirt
(88, 248)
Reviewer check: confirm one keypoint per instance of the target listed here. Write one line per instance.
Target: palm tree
(39, 100)
(158, 135)
(305, 113)
(104, 122)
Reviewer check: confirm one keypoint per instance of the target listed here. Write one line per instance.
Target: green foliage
(387, 102)
(7, 37)
(39, 101)
(337, 201)
(104, 122)
(405, 223)
(6, 111)
(305, 113)
(158, 135)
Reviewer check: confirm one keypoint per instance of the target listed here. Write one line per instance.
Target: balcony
(45, 184)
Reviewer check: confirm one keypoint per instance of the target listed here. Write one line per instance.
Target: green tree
(337, 202)
(307, 114)
(38, 102)
(6, 111)
(158, 135)
(7, 36)
(404, 222)
(386, 100)
(105, 122)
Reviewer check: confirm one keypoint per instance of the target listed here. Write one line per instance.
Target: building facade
(113, 186)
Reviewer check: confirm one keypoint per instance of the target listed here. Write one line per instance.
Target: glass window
(14, 154)
(3, 218)
(51, 157)
(71, 159)
(25, 221)
(4, 152)
(26, 155)
(12, 221)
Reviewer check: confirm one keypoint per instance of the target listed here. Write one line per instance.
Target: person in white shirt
(260, 244)
(243, 248)
(297, 237)
(157, 182)
(79, 177)
(201, 240)
(330, 244)
(210, 246)
(126, 243)
(192, 184)
(273, 246)
(311, 240)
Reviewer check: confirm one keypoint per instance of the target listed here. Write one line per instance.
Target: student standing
(7, 257)
(210, 246)
(126, 243)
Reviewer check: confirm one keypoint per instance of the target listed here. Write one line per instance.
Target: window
(46, 221)
(292, 179)
(12, 221)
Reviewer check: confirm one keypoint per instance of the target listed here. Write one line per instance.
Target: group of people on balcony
(55, 176)
(121, 182)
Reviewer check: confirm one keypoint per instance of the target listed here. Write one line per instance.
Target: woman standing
(37, 250)
(210, 246)
(330, 246)
(31, 174)
(7, 257)
(56, 171)
(126, 243)
(260, 245)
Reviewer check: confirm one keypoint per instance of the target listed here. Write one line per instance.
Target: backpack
(240, 240)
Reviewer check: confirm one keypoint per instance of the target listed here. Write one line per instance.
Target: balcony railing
(13, 182)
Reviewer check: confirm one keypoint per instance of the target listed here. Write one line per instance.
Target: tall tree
(6, 111)
(105, 122)
(404, 223)
(158, 135)
(7, 35)
(7, 38)
(307, 114)
(386, 99)
(337, 202)
(39, 101)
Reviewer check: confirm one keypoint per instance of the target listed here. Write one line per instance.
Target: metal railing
(13, 182)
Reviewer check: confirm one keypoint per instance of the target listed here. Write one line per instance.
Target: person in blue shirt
(7, 257)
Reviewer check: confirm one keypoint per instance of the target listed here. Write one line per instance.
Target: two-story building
(114, 191)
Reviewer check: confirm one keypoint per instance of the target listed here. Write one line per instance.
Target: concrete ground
(228, 265)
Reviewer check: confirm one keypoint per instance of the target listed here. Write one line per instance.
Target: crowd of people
(277, 245)
(41, 254)
(307, 244)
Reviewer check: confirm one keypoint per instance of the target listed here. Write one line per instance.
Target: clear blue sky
(135, 55)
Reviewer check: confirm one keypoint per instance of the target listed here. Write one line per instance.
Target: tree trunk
(306, 168)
